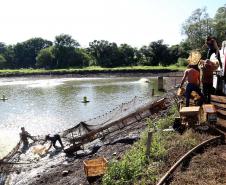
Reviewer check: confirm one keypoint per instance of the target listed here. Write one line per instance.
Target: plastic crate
(95, 167)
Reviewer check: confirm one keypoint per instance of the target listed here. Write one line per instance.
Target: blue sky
(135, 22)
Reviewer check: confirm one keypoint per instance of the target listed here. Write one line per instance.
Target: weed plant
(136, 168)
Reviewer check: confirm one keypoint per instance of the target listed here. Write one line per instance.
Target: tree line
(66, 52)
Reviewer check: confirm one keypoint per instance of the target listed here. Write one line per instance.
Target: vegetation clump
(166, 148)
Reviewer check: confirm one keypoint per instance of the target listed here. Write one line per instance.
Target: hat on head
(194, 58)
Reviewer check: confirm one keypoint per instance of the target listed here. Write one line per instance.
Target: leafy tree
(64, 50)
(10, 56)
(2, 47)
(80, 58)
(174, 53)
(160, 53)
(7, 53)
(219, 23)
(138, 56)
(184, 49)
(147, 56)
(3, 62)
(127, 55)
(46, 59)
(106, 54)
(26, 52)
(197, 27)
(94, 50)
(65, 40)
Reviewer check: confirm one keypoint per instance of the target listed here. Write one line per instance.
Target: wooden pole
(149, 144)
(160, 83)
(153, 92)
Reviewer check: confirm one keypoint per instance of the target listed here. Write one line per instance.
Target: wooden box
(190, 111)
(210, 112)
(95, 167)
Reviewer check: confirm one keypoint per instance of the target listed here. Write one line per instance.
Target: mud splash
(34, 165)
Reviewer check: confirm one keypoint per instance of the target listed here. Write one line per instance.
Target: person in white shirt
(223, 46)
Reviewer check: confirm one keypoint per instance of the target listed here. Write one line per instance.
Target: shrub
(182, 62)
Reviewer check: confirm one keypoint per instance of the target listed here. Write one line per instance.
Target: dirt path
(207, 168)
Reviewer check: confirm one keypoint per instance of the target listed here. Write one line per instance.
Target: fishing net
(109, 117)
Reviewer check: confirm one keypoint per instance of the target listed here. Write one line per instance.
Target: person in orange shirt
(192, 75)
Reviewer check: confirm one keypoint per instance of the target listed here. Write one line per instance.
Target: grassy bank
(166, 147)
(89, 70)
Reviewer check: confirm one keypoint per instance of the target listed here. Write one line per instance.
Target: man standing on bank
(192, 75)
(212, 45)
(24, 135)
(207, 78)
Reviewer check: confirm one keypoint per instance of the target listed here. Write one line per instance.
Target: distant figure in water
(85, 100)
(53, 139)
(3, 98)
(24, 135)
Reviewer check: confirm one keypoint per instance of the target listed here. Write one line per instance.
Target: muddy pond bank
(57, 168)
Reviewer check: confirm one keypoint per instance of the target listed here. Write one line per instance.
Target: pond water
(49, 105)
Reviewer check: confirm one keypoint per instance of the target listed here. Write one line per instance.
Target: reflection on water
(50, 105)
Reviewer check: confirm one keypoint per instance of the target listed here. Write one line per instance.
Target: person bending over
(53, 139)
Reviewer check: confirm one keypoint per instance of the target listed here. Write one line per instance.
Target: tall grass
(135, 168)
(135, 163)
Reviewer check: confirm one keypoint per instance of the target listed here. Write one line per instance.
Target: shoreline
(83, 74)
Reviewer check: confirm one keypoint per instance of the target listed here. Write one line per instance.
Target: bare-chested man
(192, 75)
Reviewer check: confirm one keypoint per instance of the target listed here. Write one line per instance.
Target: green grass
(93, 69)
(171, 67)
(135, 168)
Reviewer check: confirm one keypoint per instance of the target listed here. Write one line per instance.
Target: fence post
(160, 83)
(149, 144)
(153, 92)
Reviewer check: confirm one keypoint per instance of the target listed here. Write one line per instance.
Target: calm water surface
(49, 105)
